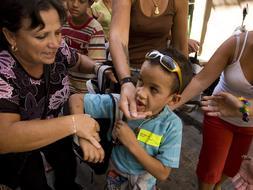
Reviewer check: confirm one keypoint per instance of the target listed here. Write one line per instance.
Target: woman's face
(39, 45)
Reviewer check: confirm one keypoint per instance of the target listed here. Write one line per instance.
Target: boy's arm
(90, 152)
(152, 165)
(76, 102)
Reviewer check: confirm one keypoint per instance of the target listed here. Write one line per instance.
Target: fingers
(91, 153)
(111, 76)
(97, 137)
(214, 114)
(97, 127)
(214, 97)
(127, 100)
(94, 142)
(94, 155)
(123, 105)
(143, 115)
(193, 45)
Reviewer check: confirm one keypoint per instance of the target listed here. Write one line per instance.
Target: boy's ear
(174, 99)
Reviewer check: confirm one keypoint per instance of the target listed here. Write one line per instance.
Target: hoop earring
(14, 48)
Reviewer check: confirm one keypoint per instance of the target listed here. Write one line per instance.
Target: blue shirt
(160, 136)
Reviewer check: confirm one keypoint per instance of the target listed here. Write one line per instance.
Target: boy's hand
(124, 134)
(90, 152)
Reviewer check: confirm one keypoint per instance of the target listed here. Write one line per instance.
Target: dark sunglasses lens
(168, 61)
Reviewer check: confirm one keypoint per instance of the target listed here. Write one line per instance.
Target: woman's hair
(183, 63)
(13, 12)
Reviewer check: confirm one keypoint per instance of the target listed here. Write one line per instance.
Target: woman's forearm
(24, 136)
(194, 88)
(119, 36)
(120, 57)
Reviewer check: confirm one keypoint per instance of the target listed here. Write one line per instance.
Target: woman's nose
(54, 42)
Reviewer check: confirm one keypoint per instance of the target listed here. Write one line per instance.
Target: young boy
(85, 34)
(149, 147)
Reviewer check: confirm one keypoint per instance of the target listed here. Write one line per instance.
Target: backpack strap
(101, 77)
(99, 85)
(117, 114)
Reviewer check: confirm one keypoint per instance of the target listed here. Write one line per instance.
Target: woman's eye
(40, 37)
(58, 33)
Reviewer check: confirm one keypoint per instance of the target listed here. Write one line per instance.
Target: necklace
(156, 12)
(137, 129)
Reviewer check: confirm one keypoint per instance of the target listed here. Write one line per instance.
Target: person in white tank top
(226, 104)
(225, 138)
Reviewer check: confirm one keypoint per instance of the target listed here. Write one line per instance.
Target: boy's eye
(83, 1)
(154, 90)
(139, 82)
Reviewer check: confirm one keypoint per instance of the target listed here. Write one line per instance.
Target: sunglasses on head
(168, 63)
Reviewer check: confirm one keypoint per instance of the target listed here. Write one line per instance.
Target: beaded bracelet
(244, 109)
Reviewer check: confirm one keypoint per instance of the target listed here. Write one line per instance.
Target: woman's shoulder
(7, 62)
(250, 39)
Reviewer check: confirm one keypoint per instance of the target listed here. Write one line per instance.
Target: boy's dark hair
(184, 64)
(13, 12)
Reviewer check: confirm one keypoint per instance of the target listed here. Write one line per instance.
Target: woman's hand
(110, 75)
(222, 104)
(87, 128)
(193, 46)
(246, 170)
(90, 152)
(127, 102)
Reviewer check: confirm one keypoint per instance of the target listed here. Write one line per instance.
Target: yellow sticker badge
(149, 138)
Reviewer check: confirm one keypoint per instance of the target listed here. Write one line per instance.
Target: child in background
(149, 147)
(102, 11)
(84, 34)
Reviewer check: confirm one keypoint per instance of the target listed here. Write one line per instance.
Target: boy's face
(153, 88)
(77, 8)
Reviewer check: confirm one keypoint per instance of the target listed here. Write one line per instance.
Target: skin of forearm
(193, 89)
(76, 104)
(152, 165)
(86, 65)
(119, 52)
(24, 136)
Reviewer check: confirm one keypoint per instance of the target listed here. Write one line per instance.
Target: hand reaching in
(222, 104)
(127, 102)
(87, 128)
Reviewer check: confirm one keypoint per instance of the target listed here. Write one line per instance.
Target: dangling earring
(14, 48)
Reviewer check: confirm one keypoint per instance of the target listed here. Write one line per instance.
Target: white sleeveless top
(232, 80)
